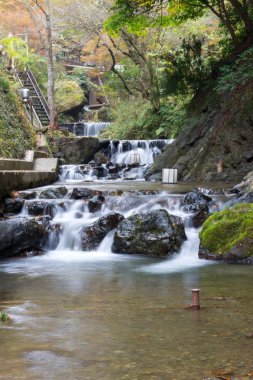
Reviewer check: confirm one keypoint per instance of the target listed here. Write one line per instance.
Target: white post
(169, 176)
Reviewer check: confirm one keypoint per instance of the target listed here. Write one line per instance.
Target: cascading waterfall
(131, 157)
(71, 215)
(92, 129)
(86, 128)
(136, 151)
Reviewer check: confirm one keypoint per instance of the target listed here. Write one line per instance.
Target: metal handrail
(27, 111)
(38, 92)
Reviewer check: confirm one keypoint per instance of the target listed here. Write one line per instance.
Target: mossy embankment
(16, 133)
(228, 235)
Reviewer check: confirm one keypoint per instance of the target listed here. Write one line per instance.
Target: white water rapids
(63, 243)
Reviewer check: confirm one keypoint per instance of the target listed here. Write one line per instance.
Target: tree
(40, 12)
(235, 16)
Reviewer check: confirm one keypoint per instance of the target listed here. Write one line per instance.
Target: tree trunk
(50, 68)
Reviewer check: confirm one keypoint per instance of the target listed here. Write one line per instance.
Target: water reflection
(109, 319)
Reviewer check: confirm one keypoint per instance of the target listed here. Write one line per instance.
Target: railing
(35, 116)
(38, 92)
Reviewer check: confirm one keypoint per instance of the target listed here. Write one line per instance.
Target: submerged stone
(154, 233)
(228, 235)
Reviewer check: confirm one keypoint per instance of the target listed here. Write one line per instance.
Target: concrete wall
(20, 180)
(8, 164)
(45, 164)
(26, 174)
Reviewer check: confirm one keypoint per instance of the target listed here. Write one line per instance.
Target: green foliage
(172, 115)
(79, 76)
(134, 119)
(185, 68)
(4, 317)
(4, 84)
(16, 49)
(237, 73)
(16, 134)
(68, 95)
(227, 229)
(131, 73)
(38, 65)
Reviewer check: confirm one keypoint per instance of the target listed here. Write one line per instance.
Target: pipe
(195, 299)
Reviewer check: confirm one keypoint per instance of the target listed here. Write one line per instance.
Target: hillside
(16, 134)
(216, 141)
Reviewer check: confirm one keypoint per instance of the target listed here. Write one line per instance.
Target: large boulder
(79, 149)
(68, 95)
(18, 235)
(228, 235)
(92, 236)
(154, 233)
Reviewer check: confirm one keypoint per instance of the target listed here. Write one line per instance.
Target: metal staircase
(38, 103)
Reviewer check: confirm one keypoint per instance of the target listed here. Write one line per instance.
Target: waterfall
(136, 151)
(92, 129)
(76, 173)
(86, 129)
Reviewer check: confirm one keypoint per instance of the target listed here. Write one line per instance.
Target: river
(103, 316)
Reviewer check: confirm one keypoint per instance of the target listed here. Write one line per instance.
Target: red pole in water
(195, 299)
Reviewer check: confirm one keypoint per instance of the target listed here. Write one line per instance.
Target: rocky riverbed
(146, 222)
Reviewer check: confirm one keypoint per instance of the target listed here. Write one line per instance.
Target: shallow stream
(103, 316)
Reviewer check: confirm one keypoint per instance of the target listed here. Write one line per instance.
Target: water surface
(101, 316)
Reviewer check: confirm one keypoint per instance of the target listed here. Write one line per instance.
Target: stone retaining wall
(24, 179)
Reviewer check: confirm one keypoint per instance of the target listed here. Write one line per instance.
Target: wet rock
(155, 233)
(54, 193)
(243, 198)
(113, 176)
(45, 220)
(78, 150)
(195, 201)
(18, 235)
(95, 204)
(92, 236)
(13, 205)
(127, 203)
(28, 195)
(38, 208)
(199, 218)
(156, 177)
(100, 171)
(83, 193)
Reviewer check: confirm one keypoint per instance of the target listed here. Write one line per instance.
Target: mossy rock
(228, 235)
(68, 95)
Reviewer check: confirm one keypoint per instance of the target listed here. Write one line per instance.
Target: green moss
(16, 133)
(4, 317)
(229, 229)
(68, 95)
